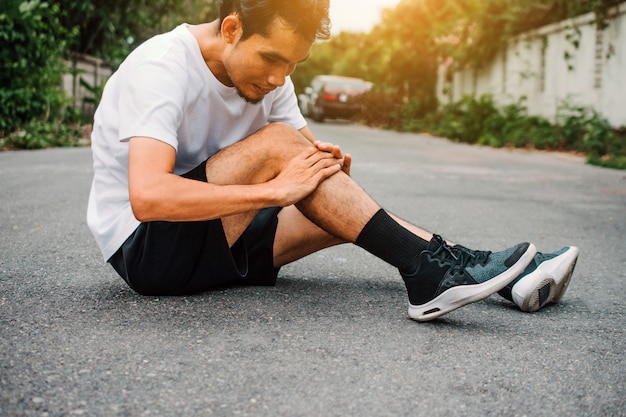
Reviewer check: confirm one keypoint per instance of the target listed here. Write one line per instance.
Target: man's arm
(306, 132)
(156, 193)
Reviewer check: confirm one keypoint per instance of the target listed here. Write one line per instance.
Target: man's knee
(284, 134)
(257, 158)
(278, 128)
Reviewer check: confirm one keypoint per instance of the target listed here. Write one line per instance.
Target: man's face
(259, 64)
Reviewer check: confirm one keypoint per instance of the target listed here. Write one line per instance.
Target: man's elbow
(143, 206)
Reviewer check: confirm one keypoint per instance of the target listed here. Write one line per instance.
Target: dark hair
(308, 18)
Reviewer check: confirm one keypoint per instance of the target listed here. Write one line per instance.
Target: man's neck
(211, 47)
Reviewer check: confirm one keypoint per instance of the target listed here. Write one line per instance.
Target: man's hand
(335, 151)
(303, 174)
(328, 147)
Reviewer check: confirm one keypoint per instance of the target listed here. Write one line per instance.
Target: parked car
(333, 97)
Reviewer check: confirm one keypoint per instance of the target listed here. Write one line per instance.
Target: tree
(399, 55)
(32, 43)
(476, 30)
(402, 54)
(340, 56)
(111, 29)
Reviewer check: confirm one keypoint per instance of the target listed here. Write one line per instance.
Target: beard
(247, 99)
(236, 85)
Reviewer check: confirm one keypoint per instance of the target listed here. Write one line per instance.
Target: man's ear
(231, 28)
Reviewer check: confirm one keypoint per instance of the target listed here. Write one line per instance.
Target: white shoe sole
(465, 294)
(547, 283)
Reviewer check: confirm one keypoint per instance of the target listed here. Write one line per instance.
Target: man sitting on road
(206, 175)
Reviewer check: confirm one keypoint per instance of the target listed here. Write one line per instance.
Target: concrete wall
(534, 66)
(94, 71)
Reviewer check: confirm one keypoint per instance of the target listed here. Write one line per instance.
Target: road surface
(332, 338)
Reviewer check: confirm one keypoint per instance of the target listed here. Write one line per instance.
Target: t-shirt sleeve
(285, 107)
(152, 101)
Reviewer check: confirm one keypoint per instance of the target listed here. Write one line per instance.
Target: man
(207, 175)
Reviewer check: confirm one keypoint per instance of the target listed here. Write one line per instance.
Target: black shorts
(177, 258)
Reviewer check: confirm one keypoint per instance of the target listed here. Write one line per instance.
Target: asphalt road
(332, 338)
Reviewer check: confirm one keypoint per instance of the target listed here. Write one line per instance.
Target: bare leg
(335, 212)
(304, 238)
(298, 237)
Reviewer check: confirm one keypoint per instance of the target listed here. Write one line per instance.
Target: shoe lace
(459, 257)
(541, 257)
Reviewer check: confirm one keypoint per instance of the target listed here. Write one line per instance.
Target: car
(334, 97)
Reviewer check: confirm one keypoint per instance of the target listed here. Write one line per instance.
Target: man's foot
(544, 281)
(449, 277)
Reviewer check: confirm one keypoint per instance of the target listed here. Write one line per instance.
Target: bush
(379, 109)
(467, 120)
(38, 134)
(412, 113)
(32, 44)
(391, 109)
(512, 126)
(479, 120)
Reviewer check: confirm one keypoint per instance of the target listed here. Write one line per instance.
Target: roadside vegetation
(400, 56)
(478, 120)
(34, 111)
(37, 36)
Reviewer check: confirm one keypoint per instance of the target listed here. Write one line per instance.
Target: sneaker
(544, 281)
(449, 277)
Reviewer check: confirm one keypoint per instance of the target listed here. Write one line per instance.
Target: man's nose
(276, 80)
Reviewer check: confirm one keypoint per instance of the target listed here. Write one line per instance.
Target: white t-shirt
(165, 91)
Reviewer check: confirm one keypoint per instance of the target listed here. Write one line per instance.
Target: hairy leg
(254, 160)
(335, 212)
(297, 237)
(339, 206)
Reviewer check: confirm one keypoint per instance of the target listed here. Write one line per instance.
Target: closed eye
(274, 57)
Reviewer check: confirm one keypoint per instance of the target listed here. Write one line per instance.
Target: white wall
(534, 66)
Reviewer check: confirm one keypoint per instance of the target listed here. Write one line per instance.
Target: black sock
(385, 238)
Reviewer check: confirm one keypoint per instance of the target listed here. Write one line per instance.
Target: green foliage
(480, 120)
(94, 97)
(391, 109)
(34, 37)
(32, 43)
(348, 54)
(467, 120)
(401, 55)
(583, 129)
(474, 31)
(409, 114)
(615, 162)
(110, 30)
(380, 109)
(95, 91)
(37, 134)
(512, 126)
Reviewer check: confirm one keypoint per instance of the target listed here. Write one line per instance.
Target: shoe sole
(547, 284)
(465, 294)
